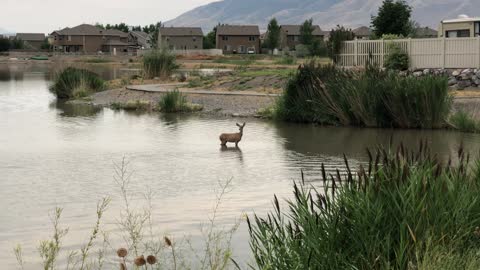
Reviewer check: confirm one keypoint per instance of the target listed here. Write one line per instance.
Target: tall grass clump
(404, 210)
(326, 94)
(159, 63)
(76, 83)
(462, 121)
(175, 101)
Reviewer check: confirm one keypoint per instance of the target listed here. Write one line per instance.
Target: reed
(462, 121)
(159, 63)
(329, 95)
(76, 83)
(403, 210)
(175, 101)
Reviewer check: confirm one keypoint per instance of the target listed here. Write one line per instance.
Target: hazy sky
(45, 16)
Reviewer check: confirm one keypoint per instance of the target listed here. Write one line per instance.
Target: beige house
(181, 38)
(87, 38)
(463, 26)
(241, 39)
(290, 35)
(32, 41)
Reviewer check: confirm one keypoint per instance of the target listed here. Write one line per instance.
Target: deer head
(240, 127)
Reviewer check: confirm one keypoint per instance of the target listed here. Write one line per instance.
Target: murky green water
(52, 154)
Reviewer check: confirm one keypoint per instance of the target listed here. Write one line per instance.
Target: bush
(325, 94)
(175, 101)
(335, 42)
(286, 60)
(464, 122)
(4, 44)
(397, 58)
(76, 83)
(406, 210)
(159, 63)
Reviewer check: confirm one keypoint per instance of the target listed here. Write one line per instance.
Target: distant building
(139, 39)
(362, 32)
(290, 35)
(87, 38)
(463, 26)
(181, 38)
(240, 39)
(32, 41)
(426, 32)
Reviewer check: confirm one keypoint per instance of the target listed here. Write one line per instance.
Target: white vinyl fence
(423, 53)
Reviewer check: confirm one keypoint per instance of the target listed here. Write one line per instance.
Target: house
(87, 38)
(425, 32)
(290, 35)
(181, 38)
(139, 39)
(463, 26)
(362, 32)
(32, 41)
(240, 39)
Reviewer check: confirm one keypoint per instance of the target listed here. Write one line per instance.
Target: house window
(296, 38)
(195, 47)
(458, 33)
(251, 38)
(55, 37)
(224, 37)
(194, 39)
(477, 29)
(69, 38)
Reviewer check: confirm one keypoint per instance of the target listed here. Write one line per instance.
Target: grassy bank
(325, 94)
(76, 83)
(403, 210)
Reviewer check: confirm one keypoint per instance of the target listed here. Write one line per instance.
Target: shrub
(397, 58)
(74, 83)
(175, 101)
(159, 63)
(462, 121)
(4, 44)
(406, 210)
(325, 94)
(335, 42)
(286, 60)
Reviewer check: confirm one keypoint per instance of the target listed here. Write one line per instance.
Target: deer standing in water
(232, 137)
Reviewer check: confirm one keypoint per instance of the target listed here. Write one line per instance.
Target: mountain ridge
(326, 13)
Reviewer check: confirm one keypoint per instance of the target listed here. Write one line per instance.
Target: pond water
(52, 154)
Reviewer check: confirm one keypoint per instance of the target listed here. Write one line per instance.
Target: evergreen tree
(210, 40)
(393, 18)
(273, 35)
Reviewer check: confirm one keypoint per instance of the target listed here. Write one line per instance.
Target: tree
(4, 44)
(337, 37)
(273, 35)
(153, 41)
(137, 28)
(393, 18)
(306, 32)
(149, 28)
(210, 40)
(17, 44)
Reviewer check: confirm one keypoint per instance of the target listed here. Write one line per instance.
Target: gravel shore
(226, 105)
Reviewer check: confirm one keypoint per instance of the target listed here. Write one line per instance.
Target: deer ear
(238, 125)
(244, 124)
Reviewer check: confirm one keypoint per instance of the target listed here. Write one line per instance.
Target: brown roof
(89, 30)
(238, 30)
(294, 30)
(31, 36)
(362, 31)
(181, 31)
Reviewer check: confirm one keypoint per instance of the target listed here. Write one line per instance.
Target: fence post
(444, 48)
(410, 56)
(355, 60)
(382, 59)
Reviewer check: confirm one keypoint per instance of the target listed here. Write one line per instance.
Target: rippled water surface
(53, 154)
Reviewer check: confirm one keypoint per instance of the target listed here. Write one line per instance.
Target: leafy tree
(306, 32)
(45, 45)
(4, 44)
(137, 28)
(17, 44)
(393, 18)
(210, 40)
(149, 28)
(337, 37)
(153, 41)
(99, 25)
(273, 34)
